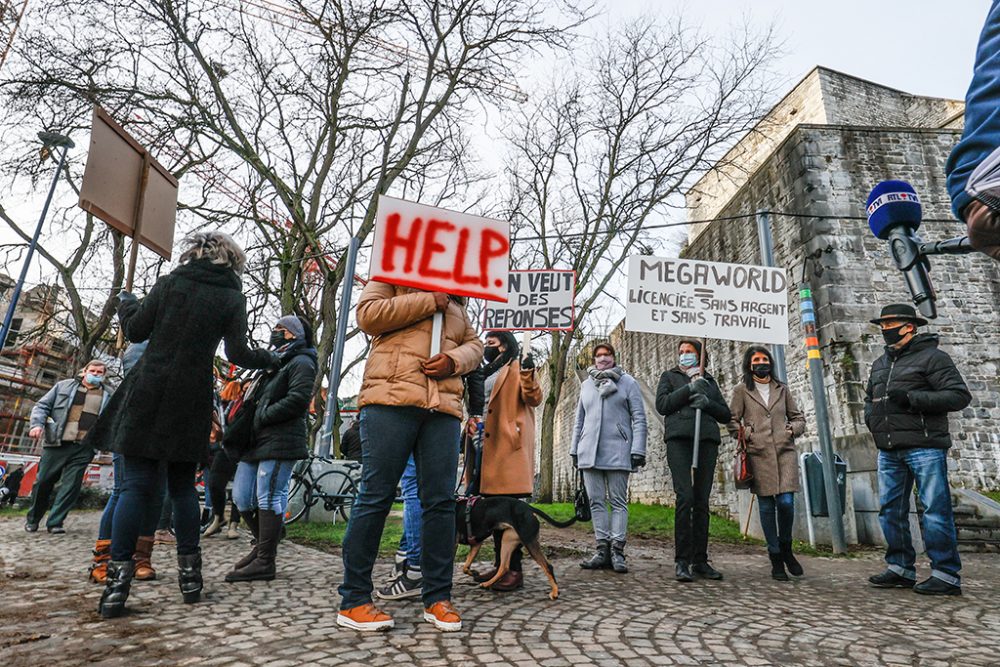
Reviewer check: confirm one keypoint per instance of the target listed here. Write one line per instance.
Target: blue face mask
(688, 360)
(92, 379)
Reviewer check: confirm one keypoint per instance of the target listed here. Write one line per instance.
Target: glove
(528, 363)
(699, 386)
(124, 296)
(638, 461)
(575, 464)
(900, 397)
(699, 401)
(439, 367)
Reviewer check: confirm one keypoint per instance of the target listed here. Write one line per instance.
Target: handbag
(581, 502)
(237, 438)
(742, 472)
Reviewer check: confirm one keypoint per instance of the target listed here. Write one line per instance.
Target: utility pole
(333, 383)
(53, 140)
(767, 259)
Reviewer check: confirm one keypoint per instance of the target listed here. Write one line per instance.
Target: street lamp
(49, 140)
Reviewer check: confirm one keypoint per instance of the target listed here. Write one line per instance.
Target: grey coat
(609, 430)
(52, 410)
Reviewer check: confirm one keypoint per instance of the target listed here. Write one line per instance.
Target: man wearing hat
(912, 388)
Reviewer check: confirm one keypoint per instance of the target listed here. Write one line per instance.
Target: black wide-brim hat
(899, 311)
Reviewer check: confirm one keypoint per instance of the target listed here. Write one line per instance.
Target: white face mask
(604, 361)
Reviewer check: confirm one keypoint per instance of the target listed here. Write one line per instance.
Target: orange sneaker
(444, 617)
(366, 618)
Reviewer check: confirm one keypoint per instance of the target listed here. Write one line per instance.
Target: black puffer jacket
(280, 430)
(933, 387)
(673, 396)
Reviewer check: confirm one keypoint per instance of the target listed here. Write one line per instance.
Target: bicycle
(337, 488)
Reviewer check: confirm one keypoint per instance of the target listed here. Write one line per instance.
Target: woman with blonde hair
(160, 418)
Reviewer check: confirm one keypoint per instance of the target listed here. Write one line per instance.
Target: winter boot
(777, 567)
(116, 588)
(189, 576)
(99, 568)
(250, 519)
(262, 567)
(143, 559)
(601, 560)
(794, 568)
(618, 557)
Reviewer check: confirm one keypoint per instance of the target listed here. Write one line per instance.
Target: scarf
(606, 380)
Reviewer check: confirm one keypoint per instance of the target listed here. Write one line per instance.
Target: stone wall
(827, 171)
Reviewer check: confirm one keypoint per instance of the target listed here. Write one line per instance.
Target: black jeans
(389, 435)
(143, 485)
(221, 474)
(693, 491)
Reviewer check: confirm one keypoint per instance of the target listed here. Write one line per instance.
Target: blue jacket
(608, 431)
(51, 412)
(982, 114)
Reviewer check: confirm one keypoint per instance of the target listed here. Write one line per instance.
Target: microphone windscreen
(892, 203)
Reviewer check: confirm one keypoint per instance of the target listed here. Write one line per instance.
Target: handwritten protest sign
(684, 297)
(436, 249)
(537, 300)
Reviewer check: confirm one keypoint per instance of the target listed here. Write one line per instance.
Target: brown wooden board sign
(113, 184)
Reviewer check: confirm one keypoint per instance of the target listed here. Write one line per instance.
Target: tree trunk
(557, 375)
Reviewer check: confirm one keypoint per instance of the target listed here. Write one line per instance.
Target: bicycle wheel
(300, 481)
(338, 491)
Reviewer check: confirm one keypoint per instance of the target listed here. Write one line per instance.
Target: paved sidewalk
(48, 614)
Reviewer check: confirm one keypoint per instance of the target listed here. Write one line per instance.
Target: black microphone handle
(905, 250)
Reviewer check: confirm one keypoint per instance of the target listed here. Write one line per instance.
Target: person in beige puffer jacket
(410, 404)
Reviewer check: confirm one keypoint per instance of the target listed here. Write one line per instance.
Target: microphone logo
(892, 197)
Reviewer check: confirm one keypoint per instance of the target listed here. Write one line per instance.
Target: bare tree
(287, 119)
(610, 150)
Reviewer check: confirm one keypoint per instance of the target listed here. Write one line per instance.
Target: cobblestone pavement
(48, 617)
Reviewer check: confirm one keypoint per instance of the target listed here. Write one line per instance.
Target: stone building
(817, 155)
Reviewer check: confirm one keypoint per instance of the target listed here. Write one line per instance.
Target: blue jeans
(142, 496)
(897, 471)
(777, 514)
(262, 485)
(409, 543)
(389, 436)
(148, 526)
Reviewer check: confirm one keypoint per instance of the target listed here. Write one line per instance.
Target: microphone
(893, 216)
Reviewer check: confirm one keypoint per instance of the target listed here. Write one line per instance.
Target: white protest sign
(537, 300)
(436, 249)
(684, 297)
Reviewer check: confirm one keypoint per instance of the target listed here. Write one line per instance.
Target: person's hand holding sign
(439, 367)
(440, 301)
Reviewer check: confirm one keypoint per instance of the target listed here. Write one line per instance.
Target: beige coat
(508, 467)
(399, 318)
(771, 430)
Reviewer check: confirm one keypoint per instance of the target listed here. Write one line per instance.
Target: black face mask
(894, 336)
(278, 338)
(490, 354)
(761, 370)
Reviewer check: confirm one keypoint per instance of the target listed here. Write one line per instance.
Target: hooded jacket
(933, 388)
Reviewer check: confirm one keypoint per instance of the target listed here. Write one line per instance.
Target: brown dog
(476, 518)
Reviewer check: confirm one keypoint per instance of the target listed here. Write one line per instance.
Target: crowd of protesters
(420, 415)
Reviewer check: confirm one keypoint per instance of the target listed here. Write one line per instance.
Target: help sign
(439, 250)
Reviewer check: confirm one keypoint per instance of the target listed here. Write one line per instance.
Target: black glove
(699, 401)
(699, 386)
(575, 464)
(528, 363)
(900, 397)
(638, 461)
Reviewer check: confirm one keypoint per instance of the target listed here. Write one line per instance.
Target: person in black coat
(280, 437)
(350, 442)
(912, 388)
(681, 392)
(160, 418)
